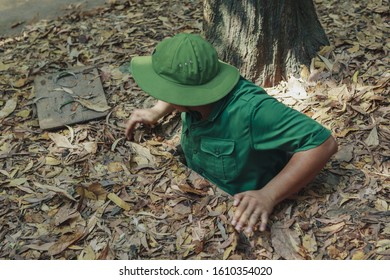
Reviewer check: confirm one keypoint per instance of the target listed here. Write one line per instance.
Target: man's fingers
(245, 216)
(244, 211)
(242, 204)
(135, 119)
(140, 116)
(252, 208)
(264, 221)
(237, 199)
(130, 128)
(254, 218)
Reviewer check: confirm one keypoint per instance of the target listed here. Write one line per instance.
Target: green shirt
(247, 139)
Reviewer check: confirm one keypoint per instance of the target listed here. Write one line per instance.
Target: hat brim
(184, 95)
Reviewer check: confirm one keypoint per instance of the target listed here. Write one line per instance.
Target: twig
(8, 155)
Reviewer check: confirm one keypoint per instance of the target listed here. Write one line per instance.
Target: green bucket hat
(184, 70)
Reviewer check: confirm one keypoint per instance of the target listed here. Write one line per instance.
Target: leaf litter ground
(83, 192)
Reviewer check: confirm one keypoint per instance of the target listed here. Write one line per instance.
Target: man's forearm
(163, 108)
(300, 170)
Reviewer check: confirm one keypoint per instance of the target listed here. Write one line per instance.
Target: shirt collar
(195, 117)
(218, 108)
(220, 105)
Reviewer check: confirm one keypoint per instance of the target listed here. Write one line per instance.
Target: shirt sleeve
(276, 126)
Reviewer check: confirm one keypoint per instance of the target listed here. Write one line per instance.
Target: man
(233, 133)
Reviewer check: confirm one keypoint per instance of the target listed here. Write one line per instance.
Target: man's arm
(147, 116)
(300, 170)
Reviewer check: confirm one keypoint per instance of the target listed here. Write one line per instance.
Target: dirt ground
(16, 14)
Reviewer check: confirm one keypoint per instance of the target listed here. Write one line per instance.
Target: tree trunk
(265, 39)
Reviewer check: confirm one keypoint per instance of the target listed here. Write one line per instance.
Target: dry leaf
(227, 252)
(42, 247)
(20, 83)
(381, 205)
(5, 67)
(17, 182)
(188, 189)
(344, 154)
(28, 167)
(65, 241)
(231, 248)
(372, 139)
(104, 253)
(344, 132)
(115, 167)
(383, 247)
(118, 201)
(94, 191)
(87, 254)
(309, 242)
(24, 113)
(198, 232)
(142, 155)
(220, 209)
(64, 214)
(358, 255)
(61, 141)
(333, 228)
(354, 49)
(181, 209)
(327, 62)
(285, 242)
(9, 107)
(90, 147)
(65, 89)
(296, 88)
(334, 252)
(54, 189)
(227, 242)
(98, 107)
(52, 161)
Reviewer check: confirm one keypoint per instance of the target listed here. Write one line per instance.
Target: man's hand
(252, 206)
(303, 166)
(140, 116)
(147, 116)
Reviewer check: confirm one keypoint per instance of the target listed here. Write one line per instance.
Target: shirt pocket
(218, 157)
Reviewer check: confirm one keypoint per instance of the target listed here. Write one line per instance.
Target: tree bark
(266, 39)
